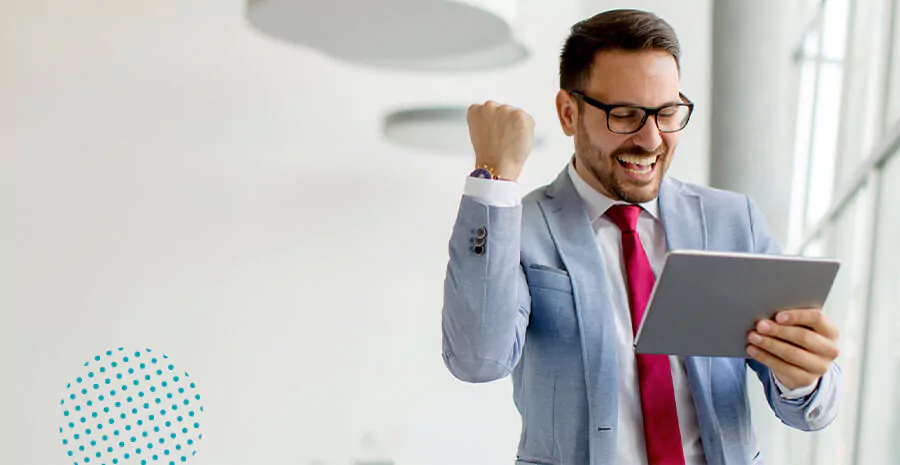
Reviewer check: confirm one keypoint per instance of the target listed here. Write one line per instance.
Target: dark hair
(630, 30)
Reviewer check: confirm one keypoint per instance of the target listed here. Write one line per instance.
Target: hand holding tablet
(706, 303)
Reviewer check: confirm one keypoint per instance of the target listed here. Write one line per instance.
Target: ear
(567, 110)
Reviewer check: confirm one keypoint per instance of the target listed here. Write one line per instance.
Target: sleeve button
(815, 413)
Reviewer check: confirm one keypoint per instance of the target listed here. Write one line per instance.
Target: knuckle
(806, 339)
(790, 352)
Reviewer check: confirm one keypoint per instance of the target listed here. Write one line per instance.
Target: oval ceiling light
(505, 54)
(437, 35)
(442, 130)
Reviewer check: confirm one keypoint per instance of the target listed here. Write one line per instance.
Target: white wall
(170, 179)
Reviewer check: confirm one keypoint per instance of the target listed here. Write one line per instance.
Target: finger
(796, 356)
(801, 337)
(476, 108)
(813, 318)
(529, 120)
(782, 369)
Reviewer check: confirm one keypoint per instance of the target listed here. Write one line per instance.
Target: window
(820, 59)
(865, 80)
(879, 425)
(849, 240)
(848, 106)
(805, 98)
(893, 109)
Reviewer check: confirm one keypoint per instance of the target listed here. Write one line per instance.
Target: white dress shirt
(630, 447)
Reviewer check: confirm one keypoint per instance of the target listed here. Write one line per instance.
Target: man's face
(627, 167)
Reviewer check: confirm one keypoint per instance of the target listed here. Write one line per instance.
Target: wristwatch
(482, 172)
(485, 172)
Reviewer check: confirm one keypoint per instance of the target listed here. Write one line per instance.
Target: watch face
(481, 173)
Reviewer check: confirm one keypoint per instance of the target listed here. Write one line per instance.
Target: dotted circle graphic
(131, 407)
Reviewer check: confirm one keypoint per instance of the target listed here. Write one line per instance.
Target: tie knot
(624, 216)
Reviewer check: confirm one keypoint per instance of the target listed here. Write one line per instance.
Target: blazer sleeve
(486, 300)
(819, 408)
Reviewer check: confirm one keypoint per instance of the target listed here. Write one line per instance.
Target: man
(548, 288)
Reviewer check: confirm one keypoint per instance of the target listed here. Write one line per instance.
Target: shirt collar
(596, 203)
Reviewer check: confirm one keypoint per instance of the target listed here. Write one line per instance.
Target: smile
(639, 165)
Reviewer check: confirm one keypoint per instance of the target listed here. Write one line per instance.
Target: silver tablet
(705, 303)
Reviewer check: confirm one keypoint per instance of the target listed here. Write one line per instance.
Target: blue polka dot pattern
(84, 407)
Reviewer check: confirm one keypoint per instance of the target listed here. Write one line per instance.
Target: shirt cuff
(493, 193)
(792, 394)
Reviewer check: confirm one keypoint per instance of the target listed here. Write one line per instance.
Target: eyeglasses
(629, 119)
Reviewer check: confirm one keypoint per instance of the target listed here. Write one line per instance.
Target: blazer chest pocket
(547, 277)
(552, 304)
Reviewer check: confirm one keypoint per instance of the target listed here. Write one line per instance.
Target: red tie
(661, 433)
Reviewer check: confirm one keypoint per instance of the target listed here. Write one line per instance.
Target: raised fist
(502, 137)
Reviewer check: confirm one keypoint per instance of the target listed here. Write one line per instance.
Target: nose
(648, 137)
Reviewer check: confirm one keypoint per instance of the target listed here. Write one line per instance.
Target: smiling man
(550, 288)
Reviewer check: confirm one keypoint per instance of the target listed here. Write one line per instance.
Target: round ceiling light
(442, 130)
(437, 129)
(408, 34)
(505, 54)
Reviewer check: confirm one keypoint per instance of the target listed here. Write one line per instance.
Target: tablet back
(705, 303)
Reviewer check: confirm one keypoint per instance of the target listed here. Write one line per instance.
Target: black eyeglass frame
(647, 111)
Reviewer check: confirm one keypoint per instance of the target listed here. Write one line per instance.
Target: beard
(603, 167)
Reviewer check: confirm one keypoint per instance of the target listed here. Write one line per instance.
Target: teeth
(643, 161)
(646, 170)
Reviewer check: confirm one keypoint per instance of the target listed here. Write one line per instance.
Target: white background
(171, 179)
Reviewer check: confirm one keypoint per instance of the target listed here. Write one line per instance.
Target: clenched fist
(502, 137)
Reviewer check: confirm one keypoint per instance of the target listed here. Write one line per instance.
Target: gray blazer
(532, 302)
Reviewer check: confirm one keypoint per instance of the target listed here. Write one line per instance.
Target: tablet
(705, 303)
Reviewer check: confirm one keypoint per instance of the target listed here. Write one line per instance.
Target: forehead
(646, 77)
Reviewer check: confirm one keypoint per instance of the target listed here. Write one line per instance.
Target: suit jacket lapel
(576, 243)
(682, 216)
